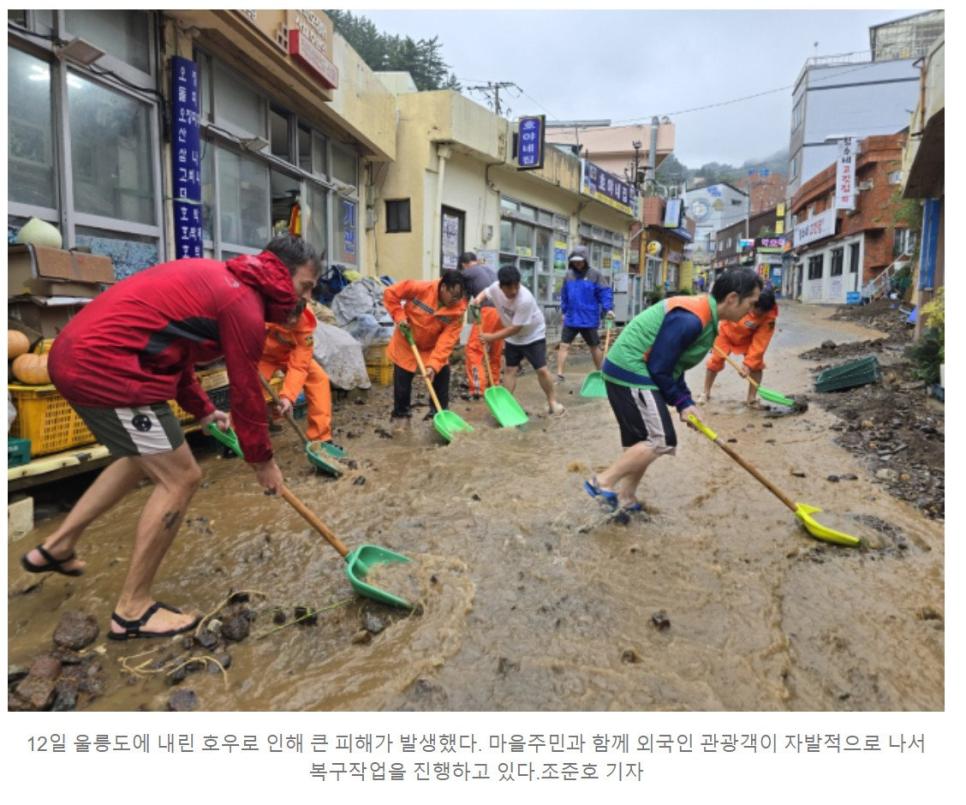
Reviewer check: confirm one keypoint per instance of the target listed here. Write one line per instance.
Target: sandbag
(341, 356)
(358, 309)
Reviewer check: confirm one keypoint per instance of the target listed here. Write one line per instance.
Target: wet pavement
(532, 598)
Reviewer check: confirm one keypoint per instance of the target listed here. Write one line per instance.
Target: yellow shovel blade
(804, 513)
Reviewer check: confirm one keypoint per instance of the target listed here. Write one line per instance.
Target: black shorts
(590, 335)
(643, 416)
(535, 352)
(141, 430)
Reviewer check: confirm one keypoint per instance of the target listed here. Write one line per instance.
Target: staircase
(879, 286)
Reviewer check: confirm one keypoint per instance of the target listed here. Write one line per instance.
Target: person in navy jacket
(584, 296)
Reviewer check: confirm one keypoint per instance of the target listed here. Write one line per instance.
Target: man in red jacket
(129, 351)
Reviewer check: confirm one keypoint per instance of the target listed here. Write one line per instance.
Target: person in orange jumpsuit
(432, 311)
(478, 277)
(288, 347)
(749, 337)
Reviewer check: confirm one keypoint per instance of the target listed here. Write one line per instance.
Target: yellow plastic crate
(47, 419)
(380, 375)
(52, 426)
(376, 355)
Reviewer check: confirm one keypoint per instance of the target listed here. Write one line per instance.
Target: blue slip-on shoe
(593, 489)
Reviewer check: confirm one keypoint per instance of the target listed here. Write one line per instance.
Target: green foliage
(927, 354)
(421, 58)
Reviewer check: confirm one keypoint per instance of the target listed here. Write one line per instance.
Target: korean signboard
(845, 174)
(607, 188)
(673, 212)
(815, 228)
(306, 36)
(769, 245)
(186, 158)
(530, 141)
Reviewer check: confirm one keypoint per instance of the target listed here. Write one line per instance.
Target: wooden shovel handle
(736, 367)
(422, 371)
(288, 416)
(761, 478)
(486, 358)
(315, 522)
(608, 328)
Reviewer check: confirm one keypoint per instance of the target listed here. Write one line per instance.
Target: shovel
(594, 382)
(765, 394)
(503, 405)
(802, 511)
(358, 562)
(318, 453)
(447, 423)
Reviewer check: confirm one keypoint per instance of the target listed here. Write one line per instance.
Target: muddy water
(541, 602)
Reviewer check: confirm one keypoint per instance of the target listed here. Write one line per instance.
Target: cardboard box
(47, 316)
(41, 271)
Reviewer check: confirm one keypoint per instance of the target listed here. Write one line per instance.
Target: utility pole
(493, 87)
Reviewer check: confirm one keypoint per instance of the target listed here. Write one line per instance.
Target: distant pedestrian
(584, 297)
(644, 374)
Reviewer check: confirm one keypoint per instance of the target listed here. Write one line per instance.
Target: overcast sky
(634, 64)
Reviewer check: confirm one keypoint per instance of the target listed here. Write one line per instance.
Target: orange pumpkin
(17, 344)
(31, 369)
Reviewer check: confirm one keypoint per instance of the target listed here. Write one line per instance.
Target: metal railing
(879, 286)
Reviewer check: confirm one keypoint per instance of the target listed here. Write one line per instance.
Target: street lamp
(635, 178)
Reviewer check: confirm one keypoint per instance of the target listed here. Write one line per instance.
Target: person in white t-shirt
(524, 329)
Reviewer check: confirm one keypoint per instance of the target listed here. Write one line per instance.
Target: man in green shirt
(644, 374)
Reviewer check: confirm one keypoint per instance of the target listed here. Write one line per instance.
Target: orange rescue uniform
(435, 330)
(749, 337)
(289, 349)
(476, 351)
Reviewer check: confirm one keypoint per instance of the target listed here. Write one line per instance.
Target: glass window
(816, 267)
(237, 105)
(314, 228)
(508, 204)
(30, 153)
(122, 34)
(285, 193)
(523, 240)
(242, 199)
(506, 236)
(320, 164)
(346, 231)
(305, 149)
(130, 253)
(343, 165)
(527, 273)
(19, 17)
(838, 262)
(527, 212)
(207, 190)
(545, 218)
(204, 84)
(278, 126)
(853, 258)
(111, 155)
(397, 216)
(544, 249)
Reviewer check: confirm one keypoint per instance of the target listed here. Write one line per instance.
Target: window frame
(837, 262)
(816, 260)
(392, 230)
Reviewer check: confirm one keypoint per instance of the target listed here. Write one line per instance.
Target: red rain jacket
(137, 343)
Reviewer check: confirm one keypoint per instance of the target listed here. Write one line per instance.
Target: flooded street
(533, 599)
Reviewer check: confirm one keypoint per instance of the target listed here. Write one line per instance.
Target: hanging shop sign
(815, 228)
(654, 248)
(769, 245)
(607, 188)
(673, 213)
(305, 36)
(845, 174)
(186, 158)
(530, 142)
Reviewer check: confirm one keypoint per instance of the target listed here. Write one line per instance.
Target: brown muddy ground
(717, 600)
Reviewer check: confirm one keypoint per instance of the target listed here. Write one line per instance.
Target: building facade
(193, 133)
(713, 208)
(837, 252)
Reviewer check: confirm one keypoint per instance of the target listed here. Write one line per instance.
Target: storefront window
(130, 253)
(243, 199)
(237, 106)
(305, 148)
(278, 126)
(111, 154)
(123, 34)
(285, 193)
(314, 228)
(320, 163)
(344, 165)
(523, 240)
(30, 153)
(506, 236)
(838, 262)
(207, 190)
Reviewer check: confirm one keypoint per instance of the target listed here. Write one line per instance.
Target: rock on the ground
(660, 620)
(38, 687)
(373, 623)
(183, 701)
(886, 474)
(236, 626)
(76, 630)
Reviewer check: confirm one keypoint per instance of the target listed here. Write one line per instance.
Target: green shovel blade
(358, 563)
(449, 424)
(504, 407)
(593, 386)
(227, 437)
(320, 457)
(775, 397)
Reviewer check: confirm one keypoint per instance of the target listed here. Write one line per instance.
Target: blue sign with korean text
(530, 140)
(348, 230)
(186, 158)
(607, 188)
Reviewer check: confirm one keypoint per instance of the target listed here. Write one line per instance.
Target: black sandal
(132, 629)
(52, 564)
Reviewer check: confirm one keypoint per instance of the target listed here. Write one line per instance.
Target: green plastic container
(849, 375)
(18, 452)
